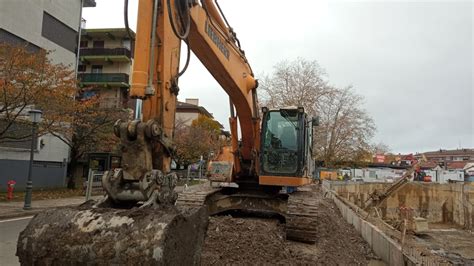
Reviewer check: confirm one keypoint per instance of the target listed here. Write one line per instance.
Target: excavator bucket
(85, 235)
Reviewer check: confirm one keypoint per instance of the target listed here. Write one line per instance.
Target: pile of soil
(82, 235)
(258, 241)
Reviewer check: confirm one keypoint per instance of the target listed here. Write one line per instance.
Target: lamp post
(35, 116)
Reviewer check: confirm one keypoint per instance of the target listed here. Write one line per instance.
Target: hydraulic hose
(125, 18)
(183, 36)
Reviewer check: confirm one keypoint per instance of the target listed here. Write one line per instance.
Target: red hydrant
(10, 187)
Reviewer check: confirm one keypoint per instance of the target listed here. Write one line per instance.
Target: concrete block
(421, 224)
(348, 216)
(380, 245)
(395, 253)
(356, 222)
(342, 210)
(366, 231)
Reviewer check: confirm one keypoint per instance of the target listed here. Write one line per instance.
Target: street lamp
(35, 116)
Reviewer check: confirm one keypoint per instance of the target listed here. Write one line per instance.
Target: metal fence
(93, 183)
(105, 51)
(103, 77)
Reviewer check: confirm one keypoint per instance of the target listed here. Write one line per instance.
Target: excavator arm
(147, 144)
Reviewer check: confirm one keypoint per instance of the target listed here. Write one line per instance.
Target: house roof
(456, 165)
(469, 166)
(441, 152)
(182, 107)
(408, 157)
(428, 165)
(109, 32)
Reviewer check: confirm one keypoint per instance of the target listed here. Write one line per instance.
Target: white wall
(54, 150)
(24, 19)
(186, 118)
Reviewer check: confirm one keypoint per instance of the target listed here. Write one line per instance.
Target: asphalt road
(9, 231)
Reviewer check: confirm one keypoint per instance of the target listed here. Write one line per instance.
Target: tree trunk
(71, 169)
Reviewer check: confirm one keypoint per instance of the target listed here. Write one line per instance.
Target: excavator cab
(285, 157)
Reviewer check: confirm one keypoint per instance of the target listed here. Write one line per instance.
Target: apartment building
(51, 25)
(106, 57)
(458, 155)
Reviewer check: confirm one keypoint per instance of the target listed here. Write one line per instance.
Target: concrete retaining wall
(382, 245)
(438, 203)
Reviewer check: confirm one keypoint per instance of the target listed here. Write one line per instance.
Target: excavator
(142, 219)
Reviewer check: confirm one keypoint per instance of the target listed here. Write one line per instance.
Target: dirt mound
(259, 241)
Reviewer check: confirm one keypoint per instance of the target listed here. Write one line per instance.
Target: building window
(126, 44)
(59, 33)
(96, 69)
(84, 44)
(17, 135)
(10, 38)
(81, 68)
(88, 94)
(98, 44)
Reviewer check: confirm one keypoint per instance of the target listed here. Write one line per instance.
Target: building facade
(190, 110)
(51, 25)
(458, 155)
(106, 57)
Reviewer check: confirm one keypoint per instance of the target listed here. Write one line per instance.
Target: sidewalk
(15, 209)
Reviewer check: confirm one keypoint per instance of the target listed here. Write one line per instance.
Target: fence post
(89, 184)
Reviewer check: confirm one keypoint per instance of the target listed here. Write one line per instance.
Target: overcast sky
(411, 60)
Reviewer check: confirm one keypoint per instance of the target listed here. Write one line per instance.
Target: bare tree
(380, 148)
(345, 128)
(295, 83)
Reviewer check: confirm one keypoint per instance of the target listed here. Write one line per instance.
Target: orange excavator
(142, 218)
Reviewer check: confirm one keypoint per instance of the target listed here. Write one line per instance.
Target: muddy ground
(259, 241)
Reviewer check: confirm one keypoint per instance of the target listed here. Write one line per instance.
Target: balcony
(105, 54)
(104, 79)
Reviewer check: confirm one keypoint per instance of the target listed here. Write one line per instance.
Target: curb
(23, 213)
(18, 212)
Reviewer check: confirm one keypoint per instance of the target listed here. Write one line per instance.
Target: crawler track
(302, 214)
(195, 196)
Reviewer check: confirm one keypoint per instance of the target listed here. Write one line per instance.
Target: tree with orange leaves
(199, 139)
(30, 80)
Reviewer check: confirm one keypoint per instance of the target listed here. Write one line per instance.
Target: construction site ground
(261, 241)
(447, 243)
(457, 245)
